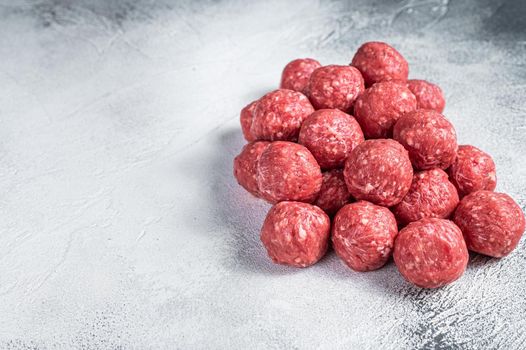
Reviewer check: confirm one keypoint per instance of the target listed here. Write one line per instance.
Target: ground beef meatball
(295, 233)
(431, 196)
(335, 87)
(380, 106)
(363, 235)
(429, 137)
(245, 118)
(378, 61)
(279, 114)
(430, 252)
(330, 135)
(428, 95)
(245, 166)
(296, 74)
(287, 171)
(379, 171)
(333, 193)
(492, 223)
(472, 170)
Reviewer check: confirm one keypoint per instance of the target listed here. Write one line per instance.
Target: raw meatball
(335, 87)
(279, 114)
(379, 171)
(333, 193)
(431, 196)
(492, 222)
(330, 135)
(428, 95)
(430, 252)
(380, 106)
(296, 74)
(472, 170)
(378, 61)
(429, 137)
(245, 119)
(287, 171)
(363, 235)
(295, 233)
(245, 166)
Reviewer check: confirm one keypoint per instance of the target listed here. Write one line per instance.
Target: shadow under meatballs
(238, 213)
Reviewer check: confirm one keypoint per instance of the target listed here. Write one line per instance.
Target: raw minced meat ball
(472, 170)
(330, 135)
(428, 95)
(245, 119)
(287, 171)
(333, 193)
(363, 235)
(335, 87)
(492, 223)
(279, 114)
(431, 196)
(381, 105)
(296, 74)
(430, 252)
(378, 61)
(295, 233)
(429, 138)
(379, 171)
(245, 166)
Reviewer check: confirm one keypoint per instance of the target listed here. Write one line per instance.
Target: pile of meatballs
(361, 156)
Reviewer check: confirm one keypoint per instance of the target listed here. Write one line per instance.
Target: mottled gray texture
(122, 226)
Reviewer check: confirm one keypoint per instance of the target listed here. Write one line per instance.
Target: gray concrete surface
(121, 226)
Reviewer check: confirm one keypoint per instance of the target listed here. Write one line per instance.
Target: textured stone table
(121, 225)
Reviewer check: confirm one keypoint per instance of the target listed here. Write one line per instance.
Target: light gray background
(121, 226)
